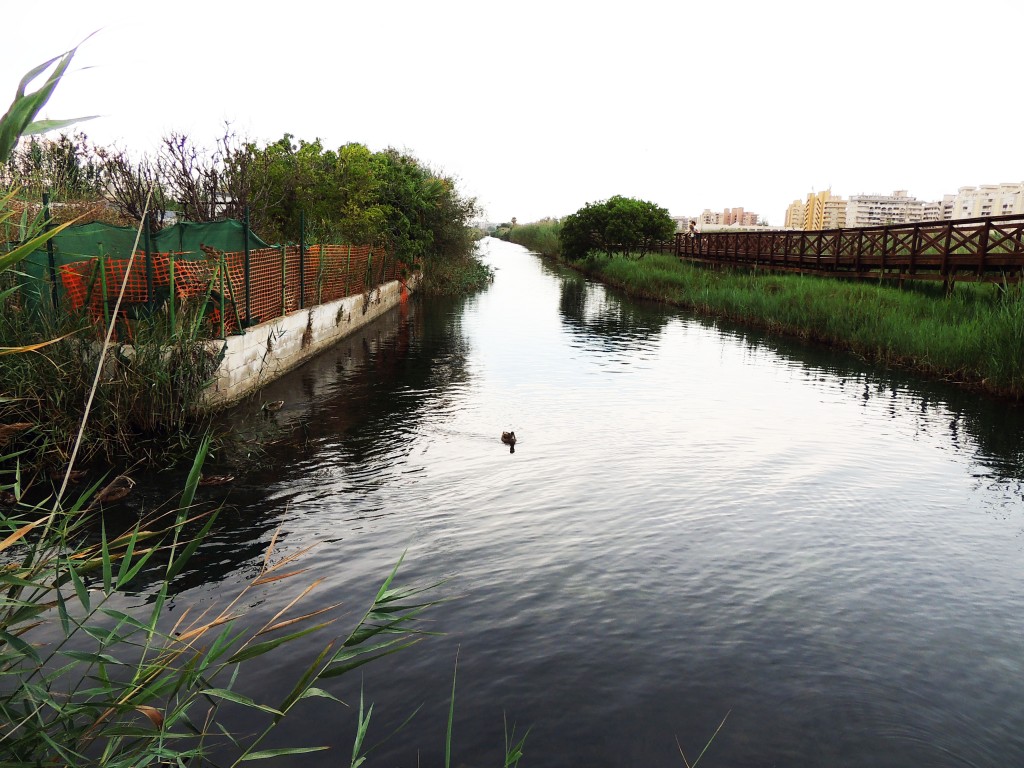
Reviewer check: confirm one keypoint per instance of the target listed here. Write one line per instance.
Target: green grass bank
(974, 336)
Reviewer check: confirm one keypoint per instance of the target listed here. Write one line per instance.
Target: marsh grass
(974, 336)
(146, 408)
(120, 688)
(539, 236)
(455, 275)
(83, 682)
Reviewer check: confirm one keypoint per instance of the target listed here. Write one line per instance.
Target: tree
(618, 224)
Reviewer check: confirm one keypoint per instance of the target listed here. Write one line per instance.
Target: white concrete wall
(271, 349)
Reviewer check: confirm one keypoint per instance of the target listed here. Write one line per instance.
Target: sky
(538, 108)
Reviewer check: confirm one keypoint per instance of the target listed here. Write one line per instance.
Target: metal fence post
(223, 308)
(103, 286)
(284, 281)
(150, 301)
(49, 250)
(302, 259)
(348, 270)
(245, 242)
(170, 299)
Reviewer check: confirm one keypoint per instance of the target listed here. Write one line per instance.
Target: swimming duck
(75, 476)
(274, 405)
(509, 439)
(114, 491)
(216, 479)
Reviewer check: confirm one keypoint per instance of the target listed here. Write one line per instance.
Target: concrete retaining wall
(271, 349)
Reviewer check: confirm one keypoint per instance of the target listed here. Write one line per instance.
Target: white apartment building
(897, 208)
(834, 214)
(988, 200)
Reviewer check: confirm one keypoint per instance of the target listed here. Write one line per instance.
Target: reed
(455, 275)
(147, 408)
(124, 687)
(539, 236)
(89, 674)
(973, 336)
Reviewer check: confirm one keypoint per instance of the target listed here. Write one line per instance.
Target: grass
(116, 688)
(455, 276)
(538, 236)
(974, 336)
(145, 408)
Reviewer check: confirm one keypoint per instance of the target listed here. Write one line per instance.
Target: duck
(75, 476)
(216, 479)
(509, 439)
(273, 405)
(114, 491)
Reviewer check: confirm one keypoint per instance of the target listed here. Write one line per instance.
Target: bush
(619, 224)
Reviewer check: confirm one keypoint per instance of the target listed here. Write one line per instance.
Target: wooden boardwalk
(989, 249)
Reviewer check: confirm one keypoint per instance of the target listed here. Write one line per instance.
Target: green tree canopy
(618, 224)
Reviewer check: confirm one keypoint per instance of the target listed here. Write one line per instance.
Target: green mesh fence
(200, 266)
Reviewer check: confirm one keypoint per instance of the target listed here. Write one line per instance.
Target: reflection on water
(697, 519)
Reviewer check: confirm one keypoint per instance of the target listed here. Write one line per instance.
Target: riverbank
(974, 337)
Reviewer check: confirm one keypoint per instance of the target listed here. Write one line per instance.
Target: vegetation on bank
(617, 225)
(94, 671)
(973, 336)
(147, 407)
(539, 236)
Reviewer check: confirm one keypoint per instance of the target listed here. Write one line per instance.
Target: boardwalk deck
(979, 250)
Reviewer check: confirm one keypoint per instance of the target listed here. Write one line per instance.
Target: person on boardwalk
(694, 234)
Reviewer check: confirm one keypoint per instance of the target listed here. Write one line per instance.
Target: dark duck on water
(509, 439)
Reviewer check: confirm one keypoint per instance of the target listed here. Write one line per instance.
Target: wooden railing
(985, 250)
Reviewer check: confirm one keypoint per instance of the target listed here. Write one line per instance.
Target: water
(698, 523)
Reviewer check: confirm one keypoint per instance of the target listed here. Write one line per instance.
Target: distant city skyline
(683, 105)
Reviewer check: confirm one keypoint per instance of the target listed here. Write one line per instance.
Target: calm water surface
(698, 521)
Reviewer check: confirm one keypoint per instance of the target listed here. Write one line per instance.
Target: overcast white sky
(541, 107)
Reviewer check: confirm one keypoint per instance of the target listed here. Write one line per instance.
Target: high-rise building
(988, 200)
(834, 214)
(730, 217)
(873, 210)
(812, 214)
(794, 218)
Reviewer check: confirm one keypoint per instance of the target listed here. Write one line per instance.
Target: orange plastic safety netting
(276, 277)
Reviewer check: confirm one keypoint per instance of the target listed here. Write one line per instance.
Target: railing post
(881, 266)
(915, 248)
(983, 246)
(947, 242)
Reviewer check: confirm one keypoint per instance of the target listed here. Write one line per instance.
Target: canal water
(699, 523)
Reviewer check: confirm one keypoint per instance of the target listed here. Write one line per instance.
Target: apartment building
(730, 217)
(834, 213)
(874, 210)
(820, 208)
(988, 200)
